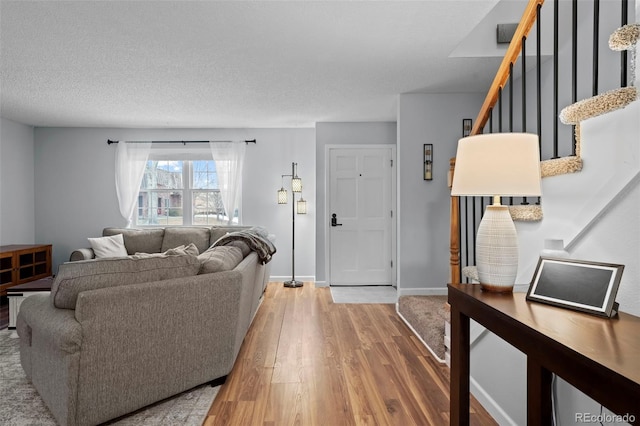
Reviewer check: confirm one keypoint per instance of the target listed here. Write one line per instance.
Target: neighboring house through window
(180, 192)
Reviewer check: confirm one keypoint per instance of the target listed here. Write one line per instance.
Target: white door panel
(360, 196)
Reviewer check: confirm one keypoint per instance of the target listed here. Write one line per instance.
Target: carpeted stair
(426, 316)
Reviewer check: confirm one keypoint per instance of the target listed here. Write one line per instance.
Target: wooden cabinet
(22, 263)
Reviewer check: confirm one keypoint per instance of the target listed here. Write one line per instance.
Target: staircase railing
(466, 212)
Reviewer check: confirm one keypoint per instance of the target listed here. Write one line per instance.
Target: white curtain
(229, 158)
(131, 159)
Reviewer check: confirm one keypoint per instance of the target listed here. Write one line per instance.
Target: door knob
(334, 220)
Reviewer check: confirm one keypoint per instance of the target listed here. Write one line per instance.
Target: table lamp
(497, 164)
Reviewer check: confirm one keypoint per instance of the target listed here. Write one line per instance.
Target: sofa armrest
(82, 254)
(164, 336)
(58, 326)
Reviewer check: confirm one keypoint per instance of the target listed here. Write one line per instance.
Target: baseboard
(416, 291)
(489, 404)
(281, 279)
(322, 284)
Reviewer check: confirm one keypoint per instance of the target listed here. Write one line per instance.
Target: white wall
(614, 238)
(17, 204)
(75, 189)
(340, 134)
(423, 214)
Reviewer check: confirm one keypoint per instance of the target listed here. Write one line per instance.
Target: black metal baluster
(539, 80)
(596, 36)
(466, 230)
(491, 120)
(556, 14)
(473, 218)
(500, 109)
(574, 69)
(524, 84)
(460, 239)
(623, 54)
(524, 94)
(511, 97)
(511, 107)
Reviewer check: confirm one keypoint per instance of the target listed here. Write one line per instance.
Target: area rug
(426, 316)
(22, 406)
(364, 294)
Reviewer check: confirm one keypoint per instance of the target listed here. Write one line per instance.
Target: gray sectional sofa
(118, 334)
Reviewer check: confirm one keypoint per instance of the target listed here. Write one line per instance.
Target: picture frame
(579, 285)
(427, 172)
(466, 127)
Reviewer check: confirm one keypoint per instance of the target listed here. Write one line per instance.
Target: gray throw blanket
(261, 245)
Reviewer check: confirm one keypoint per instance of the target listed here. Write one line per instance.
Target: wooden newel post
(454, 237)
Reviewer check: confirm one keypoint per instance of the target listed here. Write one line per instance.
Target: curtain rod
(109, 141)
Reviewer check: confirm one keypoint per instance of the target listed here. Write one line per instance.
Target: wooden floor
(308, 361)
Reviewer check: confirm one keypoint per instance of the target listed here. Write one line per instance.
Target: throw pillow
(190, 250)
(220, 258)
(105, 247)
(139, 240)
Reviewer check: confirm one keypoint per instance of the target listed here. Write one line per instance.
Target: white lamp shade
(282, 196)
(302, 206)
(504, 164)
(296, 184)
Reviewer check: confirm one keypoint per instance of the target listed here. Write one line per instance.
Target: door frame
(327, 207)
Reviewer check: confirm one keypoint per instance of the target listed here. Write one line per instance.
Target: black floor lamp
(299, 206)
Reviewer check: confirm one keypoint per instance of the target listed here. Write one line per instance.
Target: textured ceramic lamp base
(497, 250)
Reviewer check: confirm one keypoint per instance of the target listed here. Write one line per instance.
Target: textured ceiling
(230, 64)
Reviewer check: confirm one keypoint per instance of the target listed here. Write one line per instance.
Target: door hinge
(392, 264)
(391, 213)
(391, 162)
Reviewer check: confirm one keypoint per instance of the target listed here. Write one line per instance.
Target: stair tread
(597, 105)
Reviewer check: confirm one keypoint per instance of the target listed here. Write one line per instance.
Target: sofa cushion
(112, 246)
(140, 240)
(75, 277)
(216, 259)
(175, 236)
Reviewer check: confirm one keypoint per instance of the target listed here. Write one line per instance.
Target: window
(180, 192)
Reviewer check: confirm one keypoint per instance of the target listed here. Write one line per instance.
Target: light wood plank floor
(308, 361)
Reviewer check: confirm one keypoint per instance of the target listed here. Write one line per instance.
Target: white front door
(360, 216)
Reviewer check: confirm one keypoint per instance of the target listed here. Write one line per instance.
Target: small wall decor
(466, 127)
(427, 173)
(576, 284)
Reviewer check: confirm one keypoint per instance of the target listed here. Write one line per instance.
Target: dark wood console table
(599, 356)
(22, 263)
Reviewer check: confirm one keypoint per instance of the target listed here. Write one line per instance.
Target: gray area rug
(364, 294)
(22, 406)
(426, 315)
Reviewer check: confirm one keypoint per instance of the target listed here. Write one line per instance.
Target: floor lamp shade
(296, 184)
(282, 196)
(497, 164)
(301, 206)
